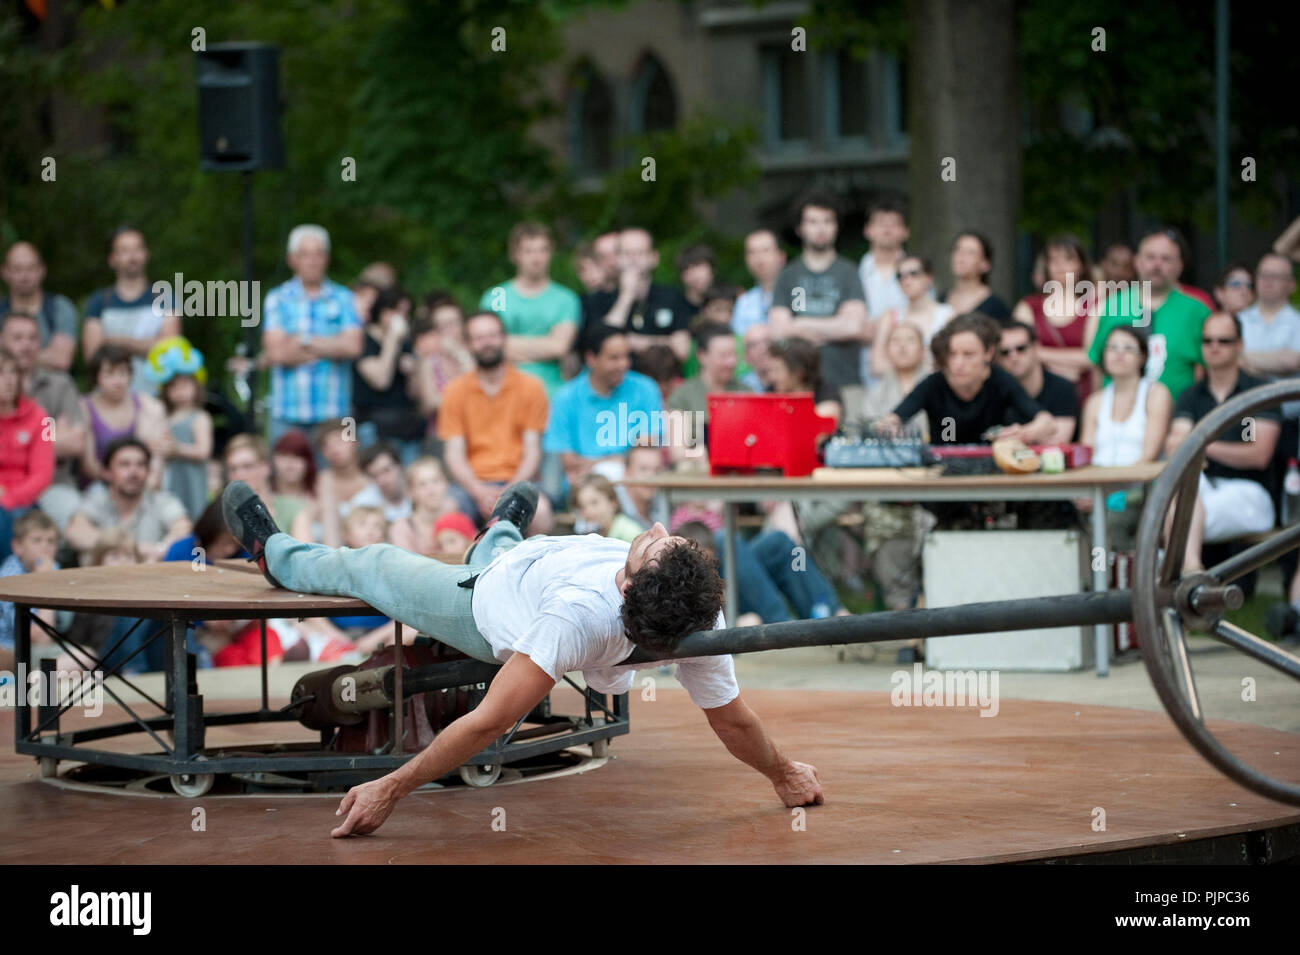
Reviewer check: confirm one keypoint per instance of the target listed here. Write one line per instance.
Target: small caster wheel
(600, 748)
(49, 767)
(192, 785)
(480, 776)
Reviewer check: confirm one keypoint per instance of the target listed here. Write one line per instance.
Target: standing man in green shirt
(541, 317)
(1171, 318)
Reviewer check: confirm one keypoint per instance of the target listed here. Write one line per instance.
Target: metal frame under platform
(181, 712)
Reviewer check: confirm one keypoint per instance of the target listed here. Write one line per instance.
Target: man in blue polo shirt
(598, 416)
(311, 335)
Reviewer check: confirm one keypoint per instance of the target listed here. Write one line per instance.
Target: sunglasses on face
(1014, 349)
(1238, 283)
(1218, 341)
(910, 274)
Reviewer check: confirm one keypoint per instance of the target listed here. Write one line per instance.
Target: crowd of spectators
(399, 418)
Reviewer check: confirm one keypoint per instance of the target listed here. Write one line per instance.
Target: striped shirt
(318, 390)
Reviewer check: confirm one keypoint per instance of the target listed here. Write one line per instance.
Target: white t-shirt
(555, 599)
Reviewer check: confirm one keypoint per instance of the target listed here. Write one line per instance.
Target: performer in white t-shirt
(542, 607)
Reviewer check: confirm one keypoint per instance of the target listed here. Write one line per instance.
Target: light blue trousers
(417, 591)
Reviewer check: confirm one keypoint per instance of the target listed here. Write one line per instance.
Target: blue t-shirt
(183, 549)
(10, 567)
(595, 426)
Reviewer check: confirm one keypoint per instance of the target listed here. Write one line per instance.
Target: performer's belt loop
(468, 584)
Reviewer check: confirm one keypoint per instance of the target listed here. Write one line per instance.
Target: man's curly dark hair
(678, 593)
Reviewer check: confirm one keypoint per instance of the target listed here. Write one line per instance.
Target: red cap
(455, 521)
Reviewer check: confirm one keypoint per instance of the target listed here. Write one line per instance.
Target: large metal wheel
(1168, 603)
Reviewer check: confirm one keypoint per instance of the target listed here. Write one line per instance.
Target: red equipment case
(749, 432)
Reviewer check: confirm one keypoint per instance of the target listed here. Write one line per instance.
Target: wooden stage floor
(902, 784)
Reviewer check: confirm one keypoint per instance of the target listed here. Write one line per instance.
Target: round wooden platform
(902, 784)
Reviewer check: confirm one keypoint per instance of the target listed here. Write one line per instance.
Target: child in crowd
(431, 500)
(176, 367)
(719, 303)
(453, 533)
(120, 638)
(362, 527)
(35, 540)
(598, 503)
(664, 367)
(293, 478)
(340, 486)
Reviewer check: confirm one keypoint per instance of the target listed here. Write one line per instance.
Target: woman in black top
(970, 394)
(796, 367)
(972, 260)
(384, 383)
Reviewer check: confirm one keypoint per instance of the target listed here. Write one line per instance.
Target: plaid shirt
(316, 390)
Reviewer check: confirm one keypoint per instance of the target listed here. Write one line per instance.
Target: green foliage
(707, 158)
(859, 27)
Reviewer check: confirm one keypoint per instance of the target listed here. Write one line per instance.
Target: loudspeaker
(239, 107)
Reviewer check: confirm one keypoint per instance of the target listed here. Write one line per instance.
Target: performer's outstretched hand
(798, 785)
(366, 806)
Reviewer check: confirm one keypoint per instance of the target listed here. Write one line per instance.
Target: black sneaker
(249, 522)
(517, 505)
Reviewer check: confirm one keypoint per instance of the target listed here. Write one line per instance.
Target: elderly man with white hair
(311, 334)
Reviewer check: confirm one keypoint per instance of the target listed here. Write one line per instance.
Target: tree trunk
(964, 116)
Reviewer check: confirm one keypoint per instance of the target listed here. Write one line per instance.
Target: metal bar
(598, 698)
(75, 652)
(1257, 555)
(266, 699)
(246, 243)
(1182, 522)
(515, 752)
(1261, 650)
(1100, 580)
(47, 710)
(181, 742)
(139, 721)
(1066, 610)
(22, 663)
(1178, 652)
(730, 583)
(441, 676)
(165, 722)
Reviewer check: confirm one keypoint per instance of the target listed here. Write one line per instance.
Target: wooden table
(917, 485)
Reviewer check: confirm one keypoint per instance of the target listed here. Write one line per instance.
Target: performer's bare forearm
(742, 733)
(449, 750)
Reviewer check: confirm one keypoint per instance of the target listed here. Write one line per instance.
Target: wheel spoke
(1178, 653)
(1182, 523)
(1257, 555)
(1261, 650)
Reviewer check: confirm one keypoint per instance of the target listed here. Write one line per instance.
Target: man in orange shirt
(491, 422)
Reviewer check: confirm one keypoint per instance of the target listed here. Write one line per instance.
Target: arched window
(654, 104)
(590, 120)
